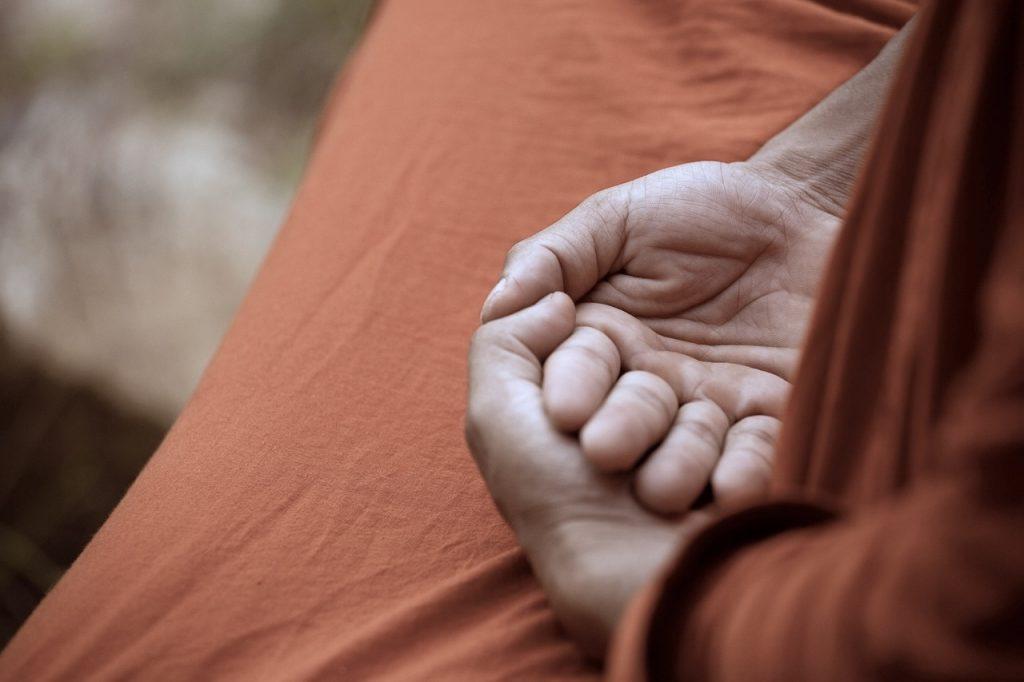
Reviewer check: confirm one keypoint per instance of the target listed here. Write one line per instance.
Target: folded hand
(589, 541)
(693, 288)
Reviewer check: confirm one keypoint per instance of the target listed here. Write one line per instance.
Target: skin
(694, 285)
(590, 542)
(643, 346)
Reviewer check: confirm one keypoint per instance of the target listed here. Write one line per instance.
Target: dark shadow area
(69, 454)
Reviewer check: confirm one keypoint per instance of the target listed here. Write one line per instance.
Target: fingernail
(490, 297)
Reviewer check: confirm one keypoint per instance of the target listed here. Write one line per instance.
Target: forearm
(822, 151)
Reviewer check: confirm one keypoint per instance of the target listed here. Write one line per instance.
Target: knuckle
(604, 199)
(484, 344)
(653, 393)
(692, 468)
(761, 433)
(595, 339)
(519, 248)
(483, 336)
(610, 204)
(702, 431)
(588, 351)
(645, 393)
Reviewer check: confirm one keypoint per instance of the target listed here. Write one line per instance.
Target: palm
(689, 332)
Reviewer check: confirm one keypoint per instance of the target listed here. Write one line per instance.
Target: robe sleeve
(924, 580)
(929, 585)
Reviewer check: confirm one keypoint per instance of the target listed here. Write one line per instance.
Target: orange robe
(893, 547)
(314, 514)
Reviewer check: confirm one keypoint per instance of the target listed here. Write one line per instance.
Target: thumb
(571, 255)
(514, 347)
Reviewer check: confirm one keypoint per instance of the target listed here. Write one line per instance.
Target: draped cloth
(313, 513)
(893, 547)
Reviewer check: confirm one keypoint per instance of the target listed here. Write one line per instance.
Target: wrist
(822, 184)
(590, 568)
(570, 569)
(820, 154)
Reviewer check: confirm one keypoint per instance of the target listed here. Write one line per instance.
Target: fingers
(571, 255)
(676, 472)
(533, 472)
(640, 410)
(635, 415)
(514, 346)
(577, 377)
(744, 471)
(504, 402)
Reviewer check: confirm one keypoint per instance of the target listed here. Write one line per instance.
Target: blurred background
(148, 152)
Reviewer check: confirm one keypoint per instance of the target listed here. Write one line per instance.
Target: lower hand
(591, 544)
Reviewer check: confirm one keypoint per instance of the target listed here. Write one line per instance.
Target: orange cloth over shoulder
(314, 513)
